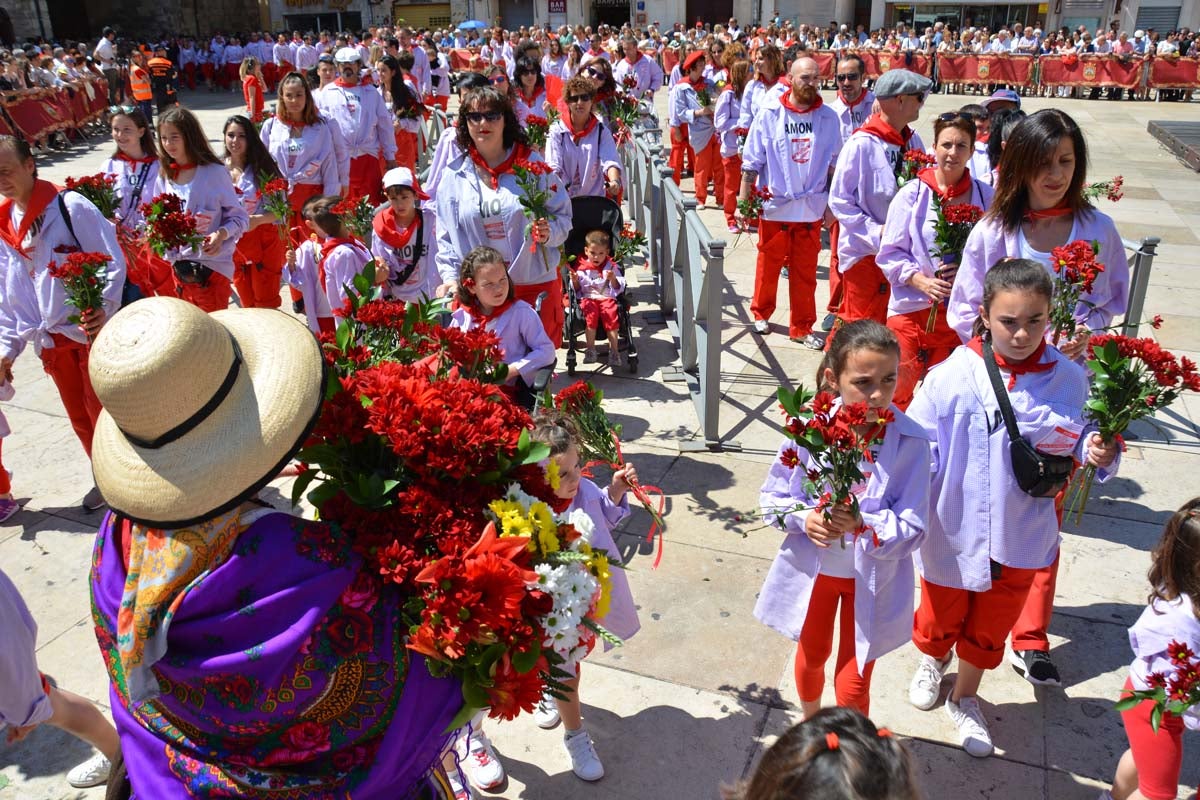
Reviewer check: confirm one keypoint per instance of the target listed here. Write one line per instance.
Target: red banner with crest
(1174, 73)
(1092, 71)
(985, 68)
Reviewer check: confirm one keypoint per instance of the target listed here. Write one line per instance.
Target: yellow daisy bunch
(598, 566)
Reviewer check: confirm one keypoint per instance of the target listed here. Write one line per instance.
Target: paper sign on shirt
(1061, 440)
(802, 149)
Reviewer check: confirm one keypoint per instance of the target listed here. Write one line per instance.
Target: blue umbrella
(473, 25)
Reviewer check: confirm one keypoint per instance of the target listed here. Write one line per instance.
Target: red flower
(1179, 653)
(306, 739)
(536, 603)
(513, 692)
(962, 214)
(822, 403)
(1157, 680)
(351, 632)
(276, 186)
(790, 458)
(1157, 322)
(531, 166)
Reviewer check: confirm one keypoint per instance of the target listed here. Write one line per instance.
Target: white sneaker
(481, 763)
(926, 684)
(584, 761)
(92, 772)
(762, 326)
(546, 713)
(973, 733)
(460, 792)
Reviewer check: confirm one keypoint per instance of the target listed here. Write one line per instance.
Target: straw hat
(200, 410)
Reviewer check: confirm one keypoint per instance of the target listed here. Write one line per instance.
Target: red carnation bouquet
(85, 277)
(100, 190)
(838, 439)
(1112, 190)
(357, 215)
(274, 193)
(912, 162)
(1134, 378)
(741, 134)
(1174, 692)
(421, 464)
(535, 196)
(751, 208)
(600, 444)
(623, 113)
(169, 226)
(628, 244)
(1075, 272)
(536, 129)
(950, 231)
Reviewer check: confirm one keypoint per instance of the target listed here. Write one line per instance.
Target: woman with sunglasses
(529, 90)
(918, 276)
(479, 192)
(580, 148)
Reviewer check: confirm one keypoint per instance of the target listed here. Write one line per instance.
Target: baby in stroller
(598, 282)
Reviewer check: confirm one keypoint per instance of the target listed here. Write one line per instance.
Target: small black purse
(192, 272)
(1038, 474)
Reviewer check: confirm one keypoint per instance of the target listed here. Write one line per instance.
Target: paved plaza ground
(695, 697)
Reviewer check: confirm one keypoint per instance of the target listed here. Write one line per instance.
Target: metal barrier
(431, 130)
(1140, 261)
(688, 265)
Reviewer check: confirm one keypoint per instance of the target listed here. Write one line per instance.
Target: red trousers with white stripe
(67, 365)
(851, 689)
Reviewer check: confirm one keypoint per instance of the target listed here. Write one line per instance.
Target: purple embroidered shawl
(285, 676)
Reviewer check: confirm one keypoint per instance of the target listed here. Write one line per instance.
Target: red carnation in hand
(1180, 654)
(790, 458)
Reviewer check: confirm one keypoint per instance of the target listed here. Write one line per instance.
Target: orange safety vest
(139, 83)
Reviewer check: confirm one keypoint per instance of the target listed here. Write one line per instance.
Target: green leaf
(523, 662)
(344, 335)
(302, 483)
(1096, 406)
(323, 494)
(361, 284)
(1126, 703)
(788, 401)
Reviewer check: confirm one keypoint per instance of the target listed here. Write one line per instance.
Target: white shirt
(104, 51)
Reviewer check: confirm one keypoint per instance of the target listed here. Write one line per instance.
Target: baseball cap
(325, 57)
(1002, 95)
(403, 176)
(346, 55)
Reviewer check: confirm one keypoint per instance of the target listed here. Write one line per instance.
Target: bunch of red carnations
(951, 228)
(1172, 693)
(169, 226)
(1075, 271)
(751, 208)
(274, 194)
(838, 439)
(912, 162)
(535, 195)
(536, 129)
(84, 276)
(100, 190)
(428, 471)
(357, 215)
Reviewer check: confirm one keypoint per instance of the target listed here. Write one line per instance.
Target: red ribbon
(644, 492)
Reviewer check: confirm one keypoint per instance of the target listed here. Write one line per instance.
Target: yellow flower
(599, 567)
(542, 521)
(511, 518)
(553, 476)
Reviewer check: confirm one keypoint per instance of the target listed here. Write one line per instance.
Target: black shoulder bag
(1037, 473)
(130, 291)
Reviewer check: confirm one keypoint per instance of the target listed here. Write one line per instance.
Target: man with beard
(864, 184)
(365, 122)
(853, 106)
(797, 175)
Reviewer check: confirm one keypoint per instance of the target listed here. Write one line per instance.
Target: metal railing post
(1139, 280)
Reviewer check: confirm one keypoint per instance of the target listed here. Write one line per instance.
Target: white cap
(403, 176)
(346, 55)
(1138, 34)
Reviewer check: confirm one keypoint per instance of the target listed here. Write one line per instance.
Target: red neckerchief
(586, 265)
(342, 83)
(121, 156)
(926, 174)
(384, 226)
(983, 137)
(632, 63)
(43, 195)
(589, 126)
(483, 319)
(528, 99)
(1014, 368)
(783, 80)
(177, 168)
(785, 100)
(861, 97)
(519, 152)
(595, 53)
(333, 242)
(1060, 210)
(877, 127)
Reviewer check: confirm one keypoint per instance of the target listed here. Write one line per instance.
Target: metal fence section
(1140, 260)
(431, 130)
(688, 266)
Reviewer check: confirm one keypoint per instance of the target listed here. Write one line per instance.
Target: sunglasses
(596, 73)
(121, 109)
(847, 76)
(950, 116)
(479, 117)
(580, 98)
(498, 79)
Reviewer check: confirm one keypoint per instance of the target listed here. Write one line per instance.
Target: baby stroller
(589, 214)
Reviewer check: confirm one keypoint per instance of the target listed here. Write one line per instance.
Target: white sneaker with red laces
(460, 792)
(480, 761)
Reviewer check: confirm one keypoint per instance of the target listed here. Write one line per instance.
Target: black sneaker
(298, 306)
(1036, 667)
(827, 323)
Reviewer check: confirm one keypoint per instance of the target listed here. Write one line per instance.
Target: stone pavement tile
(36, 769)
(657, 740)
(697, 621)
(25, 519)
(49, 563)
(777, 362)
(51, 473)
(1180, 330)
(1102, 575)
(942, 771)
(1138, 492)
(755, 422)
(73, 661)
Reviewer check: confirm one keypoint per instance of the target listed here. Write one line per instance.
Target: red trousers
(680, 150)
(551, 312)
(919, 351)
(231, 75)
(258, 267)
(366, 178)
(851, 689)
(5, 481)
(794, 245)
(865, 292)
(270, 75)
(406, 150)
(442, 101)
(207, 71)
(835, 277)
(189, 75)
(975, 624)
(67, 365)
(1157, 756)
(732, 167)
(144, 269)
(213, 297)
(708, 167)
